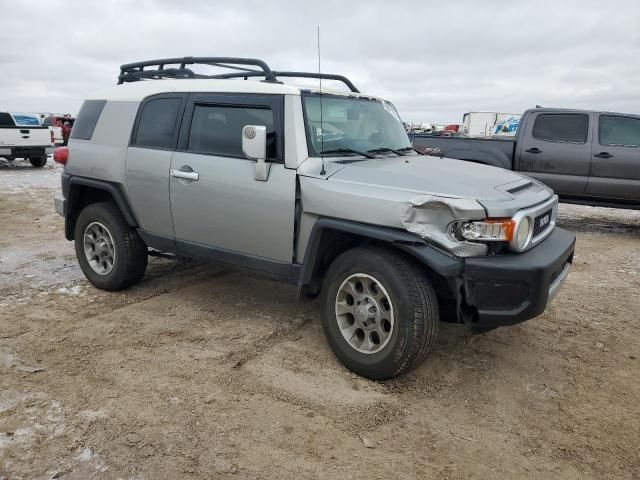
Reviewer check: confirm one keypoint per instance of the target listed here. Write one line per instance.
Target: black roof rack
(176, 68)
(324, 76)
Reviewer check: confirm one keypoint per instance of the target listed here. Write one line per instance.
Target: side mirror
(254, 147)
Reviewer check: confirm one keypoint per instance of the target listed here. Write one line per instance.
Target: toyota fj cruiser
(320, 188)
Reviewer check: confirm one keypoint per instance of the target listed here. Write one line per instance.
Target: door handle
(533, 150)
(193, 176)
(603, 155)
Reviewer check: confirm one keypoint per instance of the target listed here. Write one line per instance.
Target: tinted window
(561, 128)
(87, 119)
(218, 130)
(157, 124)
(46, 122)
(619, 131)
(6, 120)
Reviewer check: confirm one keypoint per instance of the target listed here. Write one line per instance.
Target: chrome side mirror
(254, 147)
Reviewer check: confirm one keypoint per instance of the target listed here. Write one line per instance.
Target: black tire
(38, 162)
(130, 260)
(412, 297)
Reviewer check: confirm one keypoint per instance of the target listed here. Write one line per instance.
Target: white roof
(138, 90)
(144, 88)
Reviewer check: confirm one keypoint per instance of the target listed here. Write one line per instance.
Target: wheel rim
(98, 248)
(364, 313)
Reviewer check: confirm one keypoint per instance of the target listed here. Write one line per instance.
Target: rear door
(556, 149)
(222, 212)
(615, 165)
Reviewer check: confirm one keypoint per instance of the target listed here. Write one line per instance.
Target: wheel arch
(80, 192)
(331, 237)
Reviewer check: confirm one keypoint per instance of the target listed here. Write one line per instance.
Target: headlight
(489, 230)
(516, 234)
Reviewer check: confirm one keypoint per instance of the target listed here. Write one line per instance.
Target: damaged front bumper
(507, 289)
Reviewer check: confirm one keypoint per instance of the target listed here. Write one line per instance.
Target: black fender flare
(71, 191)
(431, 256)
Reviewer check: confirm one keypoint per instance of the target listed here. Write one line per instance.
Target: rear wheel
(38, 162)
(111, 253)
(379, 312)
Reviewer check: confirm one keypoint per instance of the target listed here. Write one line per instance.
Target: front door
(615, 165)
(219, 210)
(556, 149)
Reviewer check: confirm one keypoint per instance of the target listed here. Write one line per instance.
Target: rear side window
(87, 119)
(157, 123)
(561, 128)
(619, 131)
(217, 130)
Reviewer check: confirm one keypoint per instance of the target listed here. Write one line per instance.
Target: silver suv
(318, 187)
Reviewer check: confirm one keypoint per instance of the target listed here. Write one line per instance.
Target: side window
(553, 127)
(619, 131)
(157, 123)
(87, 119)
(217, 130)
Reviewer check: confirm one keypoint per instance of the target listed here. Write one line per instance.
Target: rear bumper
(24, 152)
(60, 204)
(509, 289)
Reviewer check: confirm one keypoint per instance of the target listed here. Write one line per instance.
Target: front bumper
(509, 289)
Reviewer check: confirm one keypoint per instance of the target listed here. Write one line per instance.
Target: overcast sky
(434, 59)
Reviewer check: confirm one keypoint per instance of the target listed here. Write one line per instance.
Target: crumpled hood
(431, 175)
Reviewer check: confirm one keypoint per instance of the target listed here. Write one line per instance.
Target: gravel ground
(202, 371)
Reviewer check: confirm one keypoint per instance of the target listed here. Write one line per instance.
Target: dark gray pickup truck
(585, 156)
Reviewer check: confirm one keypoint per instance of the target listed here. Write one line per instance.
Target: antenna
(323, 171)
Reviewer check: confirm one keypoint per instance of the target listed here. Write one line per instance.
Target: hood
(500, 191)
(433, 175)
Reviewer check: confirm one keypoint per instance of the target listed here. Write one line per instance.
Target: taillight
(52, 138)
(61, 155)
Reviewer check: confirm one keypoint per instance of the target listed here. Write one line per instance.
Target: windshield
(351, 125)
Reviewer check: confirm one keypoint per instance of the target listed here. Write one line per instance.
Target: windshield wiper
(347, 150)
(413, 149)
(387, 149)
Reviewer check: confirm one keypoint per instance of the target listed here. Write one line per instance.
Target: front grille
(542, 222)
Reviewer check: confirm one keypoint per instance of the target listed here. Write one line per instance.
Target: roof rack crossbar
(132, 72)
(324, 76)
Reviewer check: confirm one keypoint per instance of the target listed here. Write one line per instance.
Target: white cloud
(433, 60)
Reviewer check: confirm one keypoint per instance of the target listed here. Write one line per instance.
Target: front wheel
(38, 162)
(111, 253)
(379, 312)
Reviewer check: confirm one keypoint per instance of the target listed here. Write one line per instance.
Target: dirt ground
(204, 372)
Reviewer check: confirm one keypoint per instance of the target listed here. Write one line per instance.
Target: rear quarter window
(87, 119)
(157, 123)
(568, 128)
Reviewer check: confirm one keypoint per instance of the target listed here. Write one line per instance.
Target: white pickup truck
(22, 136)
